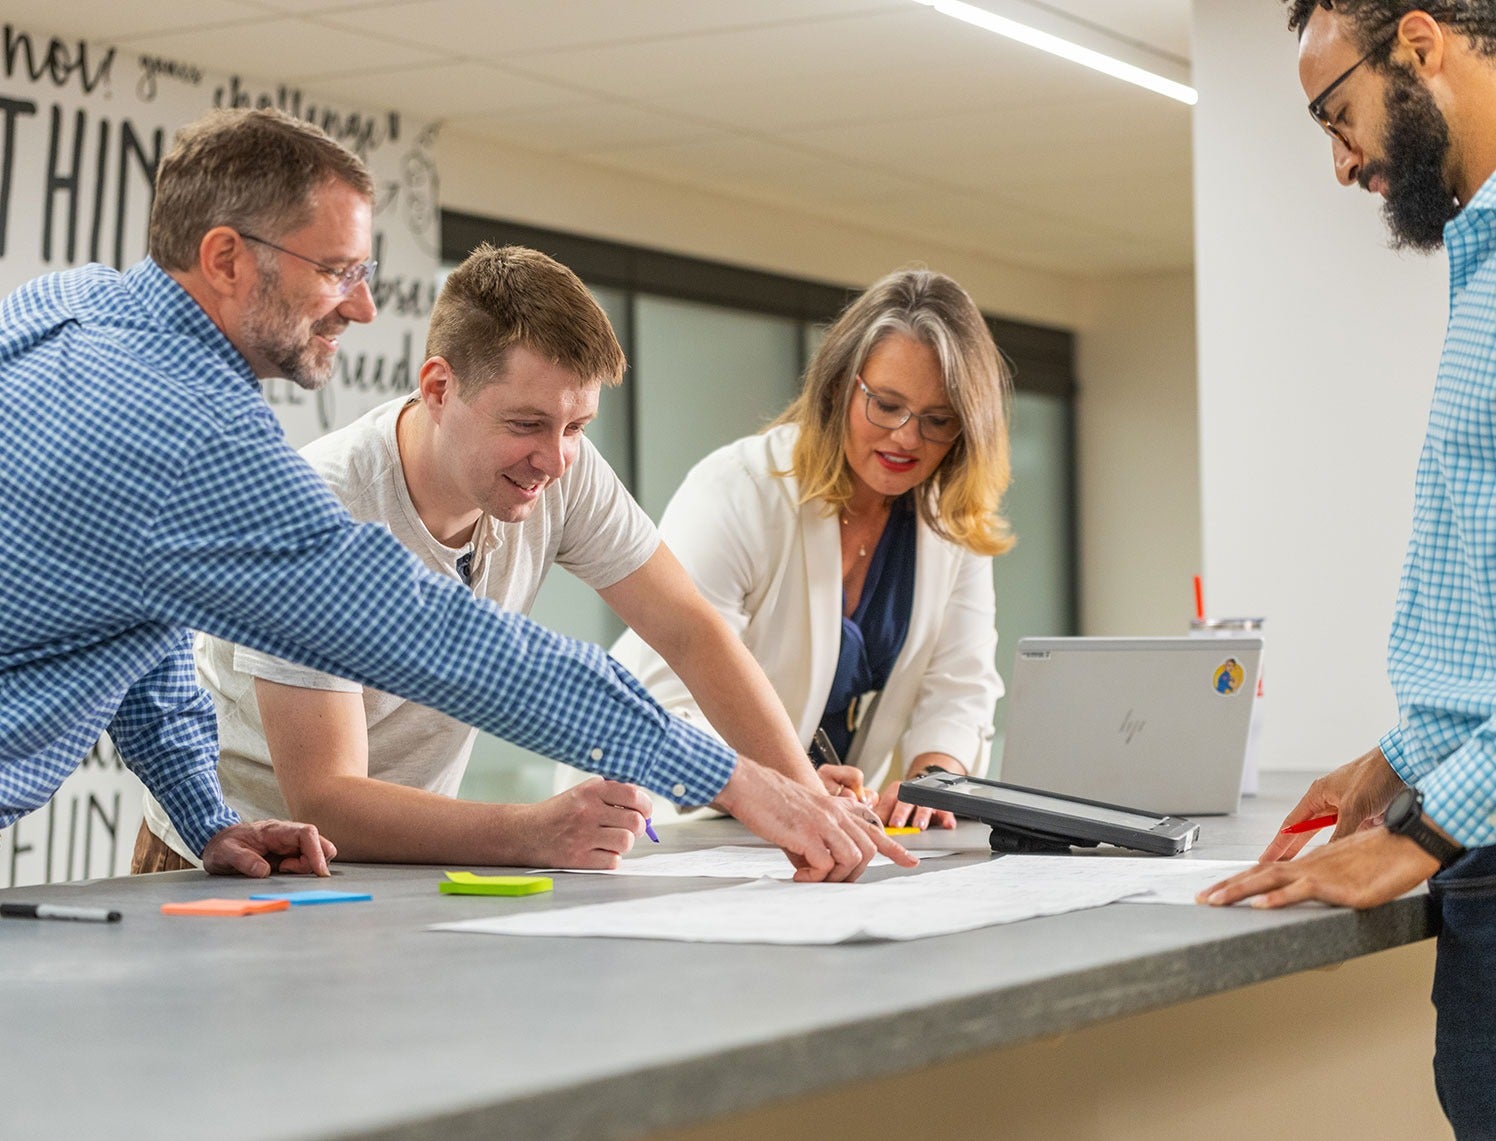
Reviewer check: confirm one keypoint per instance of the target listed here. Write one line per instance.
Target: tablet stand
(1012, 838)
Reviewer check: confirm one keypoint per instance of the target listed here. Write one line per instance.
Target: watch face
(1403, 810)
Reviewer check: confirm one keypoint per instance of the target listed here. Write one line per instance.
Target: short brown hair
(257, 171)
(962, 499)
(500, 297)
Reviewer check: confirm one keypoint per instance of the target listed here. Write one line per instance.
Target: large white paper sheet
(727, 862)
(1167, 880)
(769, 911)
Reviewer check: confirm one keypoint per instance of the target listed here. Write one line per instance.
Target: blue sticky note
(298, 898)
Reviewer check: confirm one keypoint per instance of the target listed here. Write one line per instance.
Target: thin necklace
(846, 520)
(861, 547)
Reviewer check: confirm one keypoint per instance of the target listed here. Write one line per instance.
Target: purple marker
(649, 829)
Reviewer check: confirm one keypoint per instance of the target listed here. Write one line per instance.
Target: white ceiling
(880, 112)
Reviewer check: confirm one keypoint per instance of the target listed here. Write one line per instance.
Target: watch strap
(1405, 818)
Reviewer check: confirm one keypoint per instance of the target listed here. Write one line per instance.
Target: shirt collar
(161, 295)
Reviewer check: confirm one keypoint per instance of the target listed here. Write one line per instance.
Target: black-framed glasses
(937, 427)
(1317, 104)
(347, 279)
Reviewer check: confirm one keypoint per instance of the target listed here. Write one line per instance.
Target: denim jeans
(1465, 995)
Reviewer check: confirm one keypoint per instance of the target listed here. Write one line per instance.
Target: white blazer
(772, 568)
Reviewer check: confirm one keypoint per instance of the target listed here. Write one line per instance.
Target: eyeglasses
(347, 280)
(937, 427)
(1317, 104)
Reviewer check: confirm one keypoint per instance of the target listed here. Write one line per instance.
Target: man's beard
(274, 331)
(1419, 201)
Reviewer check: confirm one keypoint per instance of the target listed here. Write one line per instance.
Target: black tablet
(1032, 820)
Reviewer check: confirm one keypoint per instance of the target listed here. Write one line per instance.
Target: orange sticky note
(225, 906)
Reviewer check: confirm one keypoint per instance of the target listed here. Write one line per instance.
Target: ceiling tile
(598, 125)
(284, 48)
(1161, 24)
(901, 60)
(880, 113)
(107, 22)
(451, 90)
(502, 29)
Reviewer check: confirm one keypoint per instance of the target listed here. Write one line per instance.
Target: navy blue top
(874, 634)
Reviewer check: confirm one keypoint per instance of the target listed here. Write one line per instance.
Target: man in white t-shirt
(485, 474)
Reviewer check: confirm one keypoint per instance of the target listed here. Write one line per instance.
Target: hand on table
(1361, 870)
(827, 838)
(257, 848)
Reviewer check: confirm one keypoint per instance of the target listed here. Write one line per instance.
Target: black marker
(822, 751)
(57, 911)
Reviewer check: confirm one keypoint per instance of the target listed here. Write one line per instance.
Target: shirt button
(596, 754)
(678, 791)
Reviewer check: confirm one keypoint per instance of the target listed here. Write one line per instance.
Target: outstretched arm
(319, 745)
(662, 605)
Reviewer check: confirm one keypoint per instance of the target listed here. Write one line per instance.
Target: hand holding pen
(839, 779)
(1352, 797)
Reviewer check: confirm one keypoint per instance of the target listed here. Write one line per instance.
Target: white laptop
(1154, 723)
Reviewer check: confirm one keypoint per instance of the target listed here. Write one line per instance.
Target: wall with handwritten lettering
(82, 129)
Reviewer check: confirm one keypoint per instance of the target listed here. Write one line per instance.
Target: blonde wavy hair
(962, 499)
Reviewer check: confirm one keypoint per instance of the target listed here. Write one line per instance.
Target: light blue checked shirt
(1442, 655)
(146, 489)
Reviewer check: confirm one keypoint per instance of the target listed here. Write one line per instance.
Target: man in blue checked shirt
(140, 454)
(1408, 99)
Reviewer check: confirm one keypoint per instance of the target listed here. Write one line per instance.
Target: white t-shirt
(586, 522)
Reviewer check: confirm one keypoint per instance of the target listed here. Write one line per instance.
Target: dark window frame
(1042, 357)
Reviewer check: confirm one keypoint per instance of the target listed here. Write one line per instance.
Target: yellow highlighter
(906, 830)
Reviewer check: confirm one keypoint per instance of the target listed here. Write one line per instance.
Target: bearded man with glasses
(1407, 95)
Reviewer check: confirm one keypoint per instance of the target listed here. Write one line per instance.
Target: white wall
(481, 177)
(1317, 352)
(1137, 456)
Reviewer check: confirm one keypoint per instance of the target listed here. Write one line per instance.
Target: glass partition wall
(715, 352)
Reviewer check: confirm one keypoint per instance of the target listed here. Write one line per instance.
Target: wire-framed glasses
(346, 279)
(937, 427)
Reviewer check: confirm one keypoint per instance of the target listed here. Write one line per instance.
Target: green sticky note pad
(469, 883)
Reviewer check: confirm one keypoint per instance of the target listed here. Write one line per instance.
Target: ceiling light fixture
(1054, 45)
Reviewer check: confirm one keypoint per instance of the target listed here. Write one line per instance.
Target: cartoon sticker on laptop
(1228, 677)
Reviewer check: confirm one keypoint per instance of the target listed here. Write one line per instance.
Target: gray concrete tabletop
(355, 1020)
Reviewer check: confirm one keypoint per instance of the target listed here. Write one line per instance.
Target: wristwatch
(1404, 817)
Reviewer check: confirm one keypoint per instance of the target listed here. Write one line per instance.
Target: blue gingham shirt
(147, 489)
(1442, 655)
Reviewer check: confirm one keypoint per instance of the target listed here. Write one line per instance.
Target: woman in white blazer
(850, 545)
